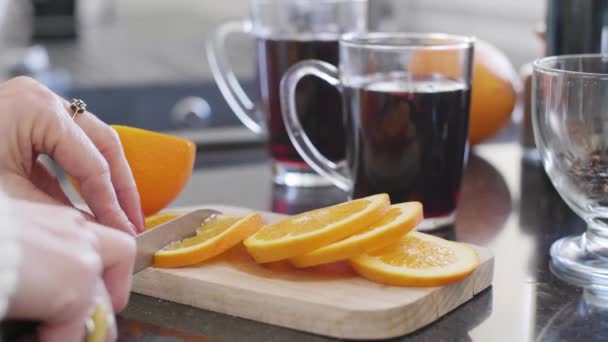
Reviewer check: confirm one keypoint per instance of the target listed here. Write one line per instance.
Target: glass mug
(406, 113)
(286, 32)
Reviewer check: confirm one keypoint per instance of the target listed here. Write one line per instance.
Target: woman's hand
(34, 121)
(68, 266)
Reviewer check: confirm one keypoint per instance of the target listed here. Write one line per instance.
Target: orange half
(161, 165)
(419, 260)
(398, 221)
(300, 234)
(212, 238)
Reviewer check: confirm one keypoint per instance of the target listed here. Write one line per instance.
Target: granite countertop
(508, 205)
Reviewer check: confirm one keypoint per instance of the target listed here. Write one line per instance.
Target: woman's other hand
(68, 266)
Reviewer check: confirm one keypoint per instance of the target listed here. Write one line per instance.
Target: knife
(177, 229)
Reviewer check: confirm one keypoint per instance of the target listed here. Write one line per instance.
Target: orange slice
(158, 219)
(300, 234)
(212, 238)
(398, 221)
(418, 259)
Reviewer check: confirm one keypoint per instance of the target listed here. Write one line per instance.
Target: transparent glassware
(570, 119)
(406, 111)
(285, 32)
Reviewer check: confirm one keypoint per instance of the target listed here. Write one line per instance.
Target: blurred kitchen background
(142, 62)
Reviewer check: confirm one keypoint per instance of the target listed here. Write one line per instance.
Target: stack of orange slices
(373, 235)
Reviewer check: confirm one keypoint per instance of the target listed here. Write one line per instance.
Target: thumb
(69, 330)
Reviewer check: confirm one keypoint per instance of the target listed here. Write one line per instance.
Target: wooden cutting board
(329, 300)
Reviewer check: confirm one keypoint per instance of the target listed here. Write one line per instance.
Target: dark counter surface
(507, 204)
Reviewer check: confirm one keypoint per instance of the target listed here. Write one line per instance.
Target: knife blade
(177, 229)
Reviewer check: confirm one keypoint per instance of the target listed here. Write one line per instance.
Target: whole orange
(161, 165)
(494, 86)
(494, 92)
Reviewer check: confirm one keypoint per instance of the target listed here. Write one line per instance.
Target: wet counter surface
(507, 204)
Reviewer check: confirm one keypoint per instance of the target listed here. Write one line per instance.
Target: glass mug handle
(225, 78)
(317, 161)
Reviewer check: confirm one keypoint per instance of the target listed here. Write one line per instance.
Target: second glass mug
(406, 108)
(287, 32)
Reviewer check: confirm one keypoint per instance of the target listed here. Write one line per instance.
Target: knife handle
(26, 331)
(19, 330)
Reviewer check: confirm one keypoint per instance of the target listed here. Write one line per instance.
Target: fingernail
(133, 229)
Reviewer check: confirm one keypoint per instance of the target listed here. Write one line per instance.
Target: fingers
(108, 143)
(77, 155)
(83, 264)
(98, 323)
(71, 330)
(47, 127)
(81, 159)
(117, 251)
(44, 180)
(22, 188)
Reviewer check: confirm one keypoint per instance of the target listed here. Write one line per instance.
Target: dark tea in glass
(411, 139)
(286, 32)
(319, 104)
(406, 113)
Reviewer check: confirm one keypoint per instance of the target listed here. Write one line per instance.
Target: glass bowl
(570, 119)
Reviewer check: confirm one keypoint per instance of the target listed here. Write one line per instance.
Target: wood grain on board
(329, 300)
